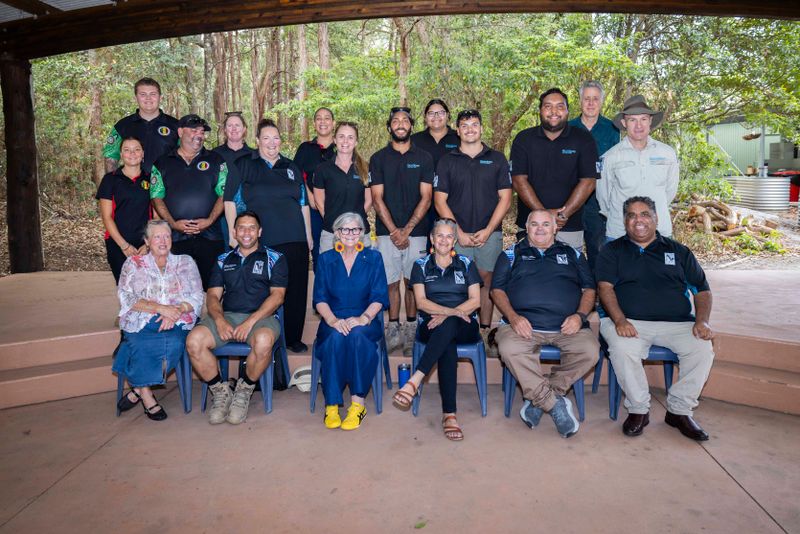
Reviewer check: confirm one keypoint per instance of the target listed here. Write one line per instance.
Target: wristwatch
(582, 316)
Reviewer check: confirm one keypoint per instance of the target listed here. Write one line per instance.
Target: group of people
(241, 223)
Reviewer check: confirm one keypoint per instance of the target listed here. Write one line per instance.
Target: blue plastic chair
(377, 382)
(475, 352)
(548, 354)
(183, 372)
(241, 350)
(655, 354)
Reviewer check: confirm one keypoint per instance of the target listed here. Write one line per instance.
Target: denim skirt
(146, 357)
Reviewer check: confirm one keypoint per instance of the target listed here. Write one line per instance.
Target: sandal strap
(151, 408)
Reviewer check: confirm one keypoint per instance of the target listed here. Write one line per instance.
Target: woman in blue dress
(349, 292)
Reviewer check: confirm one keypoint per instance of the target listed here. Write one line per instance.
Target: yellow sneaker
(332, 419)
(355, 414)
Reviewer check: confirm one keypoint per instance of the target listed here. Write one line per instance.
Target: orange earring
(359, 246)
(433, 250)
(452, 253)
(338, 247)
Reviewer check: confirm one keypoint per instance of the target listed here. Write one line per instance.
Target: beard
(397, 139)
(556, 127)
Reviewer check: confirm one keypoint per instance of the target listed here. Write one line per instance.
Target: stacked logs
(719, 219)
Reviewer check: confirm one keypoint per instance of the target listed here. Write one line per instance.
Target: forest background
(699, 70)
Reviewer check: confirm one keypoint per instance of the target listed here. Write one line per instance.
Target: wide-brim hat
(636, 105)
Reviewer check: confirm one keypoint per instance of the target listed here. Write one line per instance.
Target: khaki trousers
(579, 353)
(626, 353)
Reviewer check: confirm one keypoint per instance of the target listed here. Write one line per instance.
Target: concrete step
(22, 354)
(758, 352)
(754, 386)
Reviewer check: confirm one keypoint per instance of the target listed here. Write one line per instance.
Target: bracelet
(582, 316)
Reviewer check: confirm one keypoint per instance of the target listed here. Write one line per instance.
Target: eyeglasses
(441, 113)
(350, 231)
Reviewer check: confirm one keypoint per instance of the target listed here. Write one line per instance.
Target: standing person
(308, 157)
(605, 135)
(186, 187)
(400, 182)
(157, 131)
(554, 166)
(272, 187)
(234, 146)
(160, 297)
(437, 139)
(448, 291)
(645, 280)
(638, 166)
(341, 184)
(247, 287)
(349, 293)
(473, 187)
(123, 199)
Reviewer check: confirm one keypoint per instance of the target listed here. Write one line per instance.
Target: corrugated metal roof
(8, 13)
(69, 5)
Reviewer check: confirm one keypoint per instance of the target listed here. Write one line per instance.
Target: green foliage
(702, 171)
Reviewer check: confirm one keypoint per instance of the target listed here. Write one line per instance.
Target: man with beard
(186, 187)
(554, 166)
(401, 177)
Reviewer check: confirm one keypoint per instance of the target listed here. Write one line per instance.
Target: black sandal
(160, 415)
(124, 404)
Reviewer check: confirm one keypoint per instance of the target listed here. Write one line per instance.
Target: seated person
(246, 288)
(349, 292)
(544, 289)
(644, 281)
(160, 297)
(447, 289)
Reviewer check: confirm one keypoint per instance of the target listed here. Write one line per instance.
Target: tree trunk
(208, 73)
(221, 74)
(95, 118)
(402, 63)
(324, 47)
(302, 67)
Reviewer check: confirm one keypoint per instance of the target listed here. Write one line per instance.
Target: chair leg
(377, 383)
(387, 368)
(578, 388)
(510, 390)
(416, 355)
(315, 370)
(598, 371)
(120, 389)
(267, 382)
(482, 380)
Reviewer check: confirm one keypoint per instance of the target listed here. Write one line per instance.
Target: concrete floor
(72, 466)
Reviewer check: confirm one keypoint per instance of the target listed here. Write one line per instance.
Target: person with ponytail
(341, 184)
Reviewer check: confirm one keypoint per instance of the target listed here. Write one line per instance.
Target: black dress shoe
(298, 346)
(635, 423)
(124, 404)
(687, 426)
(159, 415)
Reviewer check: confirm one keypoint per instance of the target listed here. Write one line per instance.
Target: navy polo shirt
(652, 283)
(544, 287)
(246, 282)
(309, 155)
(604, 133)
(190, 189)
(230, 156)
(436, 149)
(400, 176)
(130, 201)
(344, 192)
(446, 287)
(158, 136)
(554, 168)
(472, 185)
(277, 194)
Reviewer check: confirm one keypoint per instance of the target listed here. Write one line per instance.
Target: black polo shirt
(426, 142)
(652, 283)
(277, 194)
(309, 155)
(130, 202)
(190, 190)
(246, 282)
(400, 176)
(554, 168)
(544, 287)
(158, 136)
(446, 287)
(343, 192)
(230, 156)
(472, 185)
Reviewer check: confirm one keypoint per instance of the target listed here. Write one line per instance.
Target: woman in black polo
(272, 186)
(437, 138)
(447, 290)
(341, 185)
(124, 203)
(234, 130)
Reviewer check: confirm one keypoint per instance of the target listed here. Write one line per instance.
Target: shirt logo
(657, 160)
(356, 177)
(145, 185)
(110, 140)
(568, 151)
(413, 166)
(203, 166)
(450, 146)
(562, 259)
(165, 131)
(369, 177)
(154, 180)
(290, 174)
(459, 277)
(258, 267)
(436, 180)
(598, 166)
(485, 161)
(431, 278)
(669, 258)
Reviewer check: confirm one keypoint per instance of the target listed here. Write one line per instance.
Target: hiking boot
(393, 333)
(237, 413)
(220, 402)
(332, 418)
(355, 414)
(566, 422)
(409, 335)
(530, 414)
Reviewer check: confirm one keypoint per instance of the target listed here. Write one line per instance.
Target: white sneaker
(393, 333)
(237, 413)
(220, 402)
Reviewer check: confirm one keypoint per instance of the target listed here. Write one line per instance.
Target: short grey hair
(644, 200)
(540, 210)
(588, 84)
(348, 217)
(444, 221)
(153, 224)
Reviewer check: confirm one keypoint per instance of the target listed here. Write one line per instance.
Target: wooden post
(22, 176)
